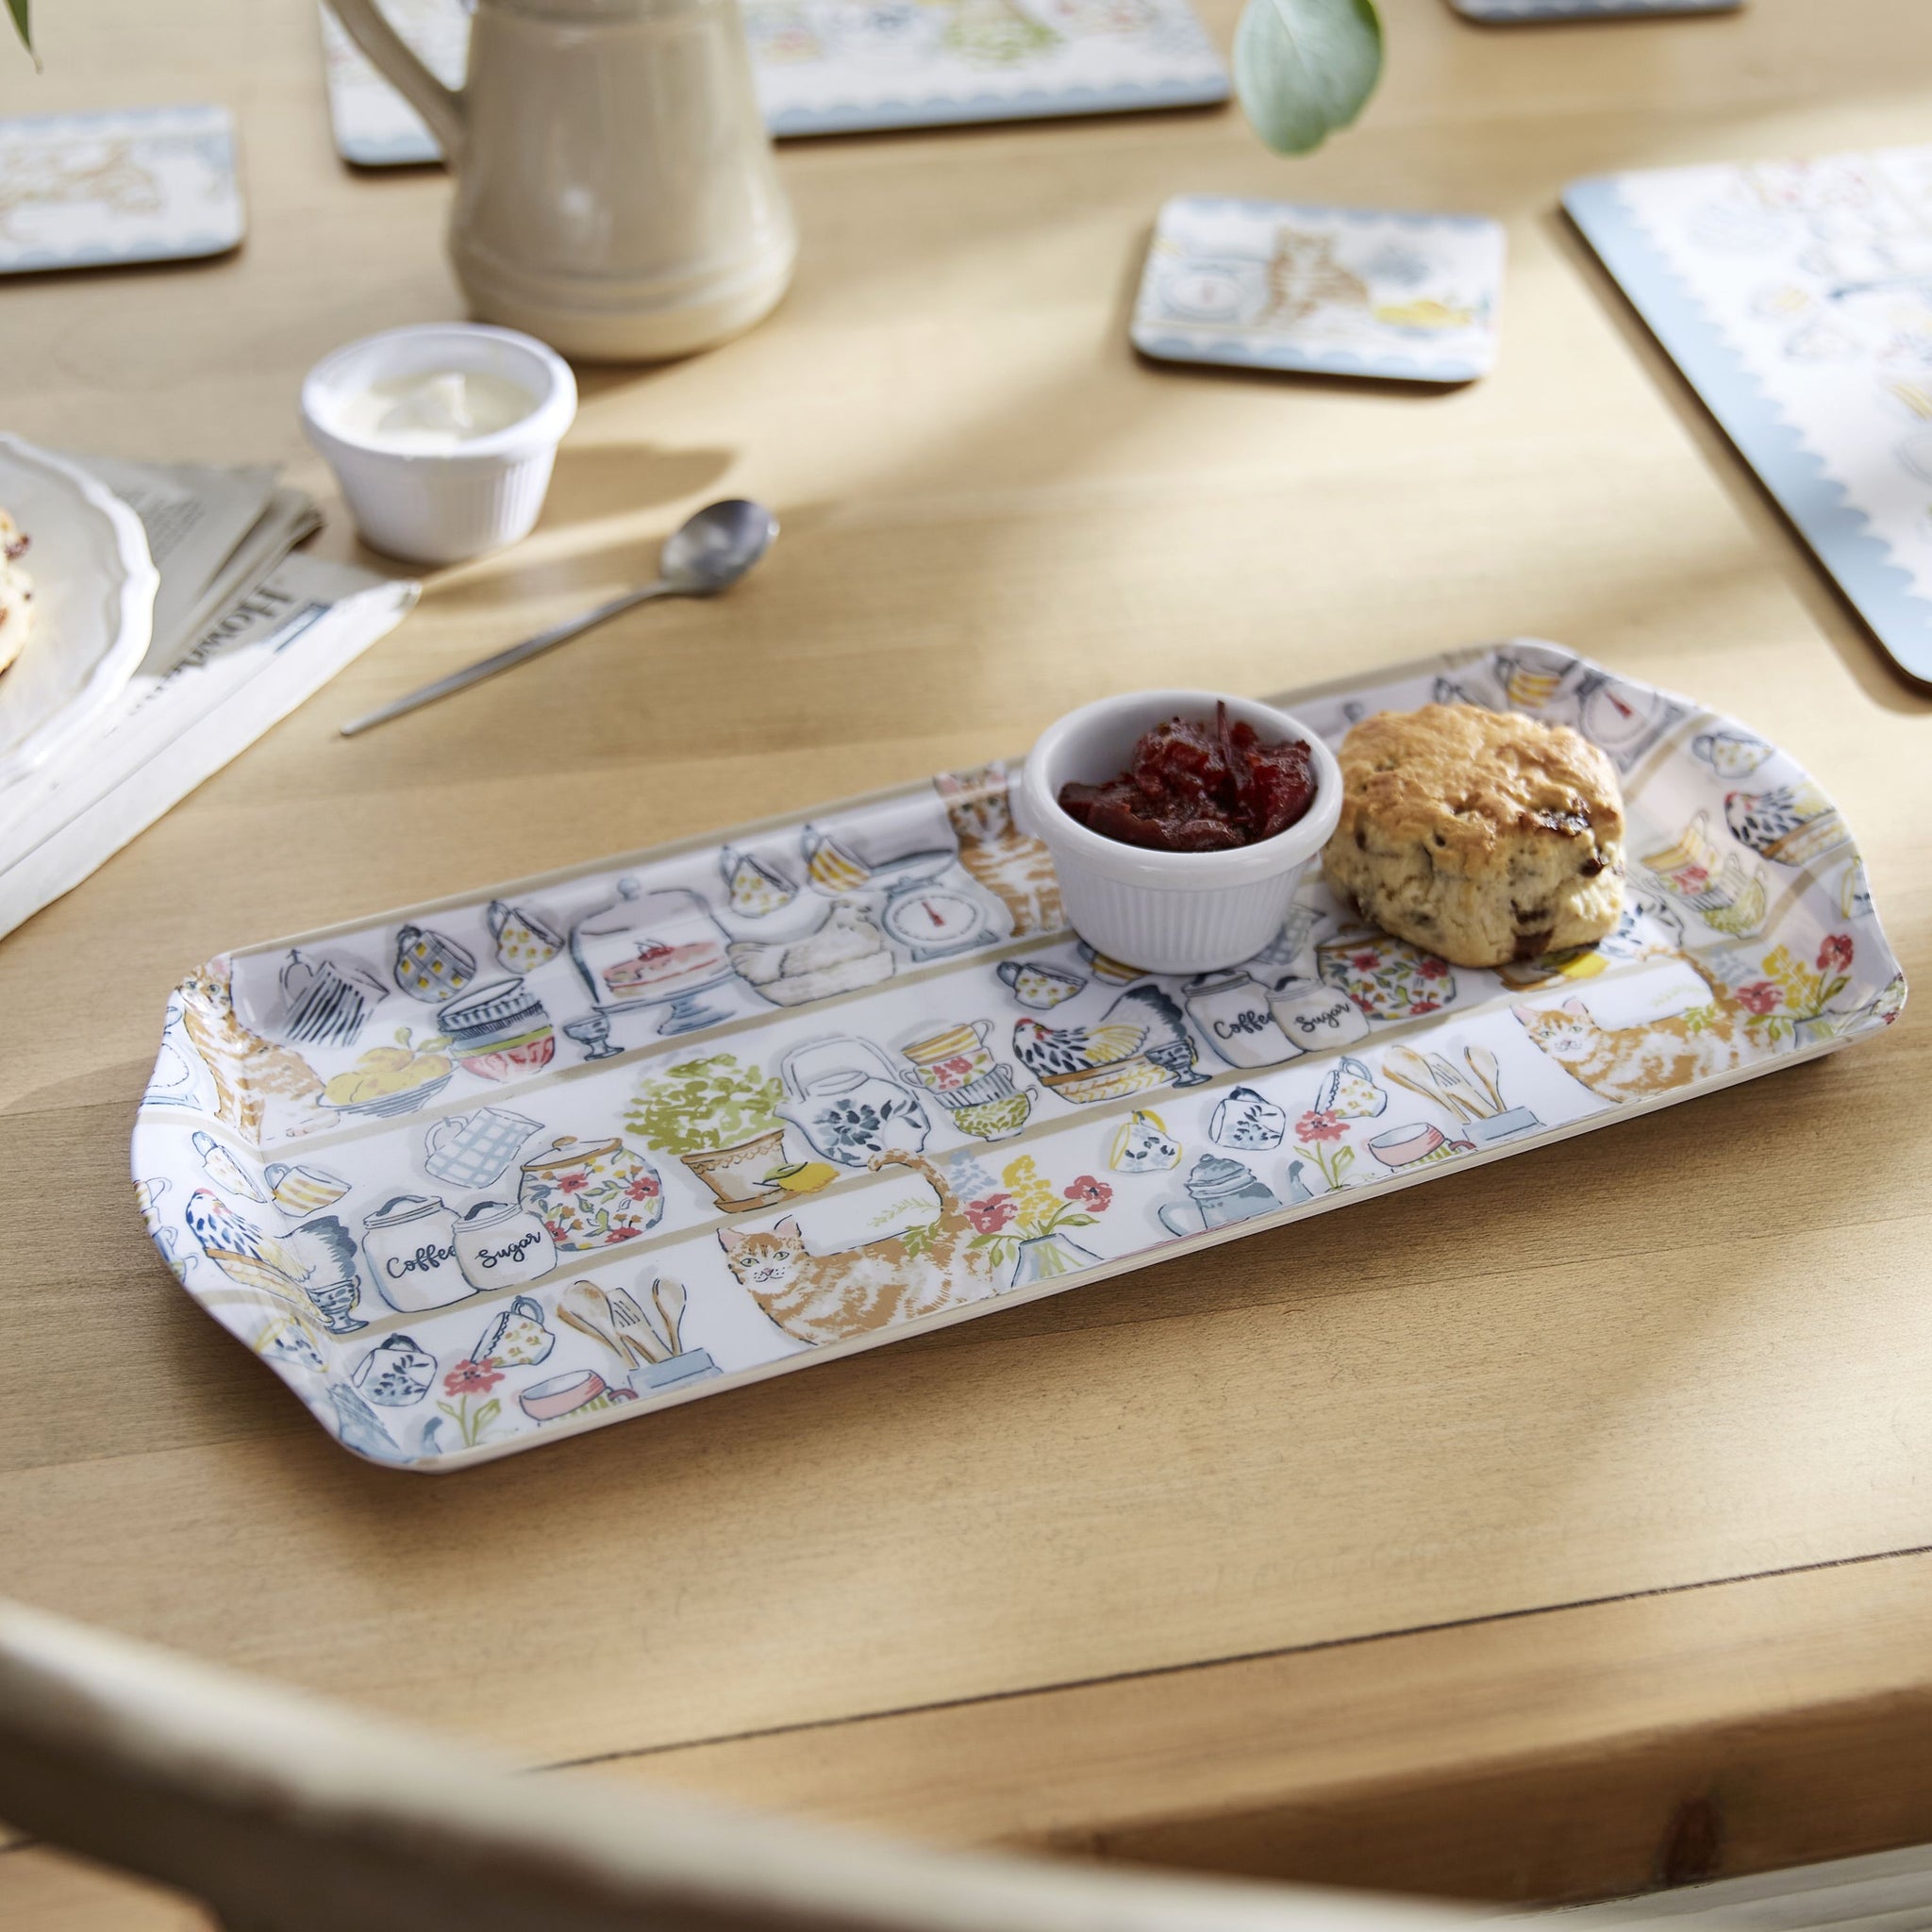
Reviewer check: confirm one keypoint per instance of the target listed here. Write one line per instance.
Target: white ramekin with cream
(442, 436)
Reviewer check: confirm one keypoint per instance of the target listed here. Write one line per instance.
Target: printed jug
(615, 189)
(1220, 1191)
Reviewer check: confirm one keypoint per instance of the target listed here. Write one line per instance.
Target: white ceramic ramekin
(1168, 912)
(443, 505)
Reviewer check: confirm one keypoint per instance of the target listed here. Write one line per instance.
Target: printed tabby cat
(1635, 1062)
(1303, 275)
(1014, 868)
(249, 1071)
(831, 1297)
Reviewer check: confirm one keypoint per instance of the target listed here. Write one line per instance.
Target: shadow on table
(594, 480)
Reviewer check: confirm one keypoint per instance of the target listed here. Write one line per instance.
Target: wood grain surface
(1122, 1571)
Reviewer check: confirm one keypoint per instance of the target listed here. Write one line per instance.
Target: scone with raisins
(16, 592)
(1481, 836)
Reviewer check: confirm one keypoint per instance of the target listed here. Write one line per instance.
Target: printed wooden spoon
(637, 1330)
(582, 1305)
(668, 1292)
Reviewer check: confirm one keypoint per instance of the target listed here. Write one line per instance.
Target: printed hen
(1144, 1020)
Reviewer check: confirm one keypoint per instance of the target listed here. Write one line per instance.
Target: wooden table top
(1546, 1531)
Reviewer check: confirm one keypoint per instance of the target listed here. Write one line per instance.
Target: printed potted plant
(721, 1119)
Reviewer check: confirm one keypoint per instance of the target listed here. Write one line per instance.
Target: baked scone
(16, 592)
(1481, 836)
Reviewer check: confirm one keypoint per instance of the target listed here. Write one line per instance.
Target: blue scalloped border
(1168, 348)
(401, 151)
(1328, 212)
(1834, 526)
(1589, 9)
(873, 117)
(878, 117)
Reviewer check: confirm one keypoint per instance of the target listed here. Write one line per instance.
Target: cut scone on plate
(16, 592)
(1480, 835)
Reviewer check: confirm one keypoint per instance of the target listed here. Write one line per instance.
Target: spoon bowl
(710, 551)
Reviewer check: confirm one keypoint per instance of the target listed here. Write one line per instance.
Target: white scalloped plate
(94, 605)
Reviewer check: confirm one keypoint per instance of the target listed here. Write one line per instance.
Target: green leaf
(1304, 68)
(22, 26)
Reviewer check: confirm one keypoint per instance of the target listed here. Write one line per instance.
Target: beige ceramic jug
(615, 189)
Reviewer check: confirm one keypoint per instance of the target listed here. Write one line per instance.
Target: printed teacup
(1038, 986)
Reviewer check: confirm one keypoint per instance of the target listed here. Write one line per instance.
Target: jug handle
(440, 106)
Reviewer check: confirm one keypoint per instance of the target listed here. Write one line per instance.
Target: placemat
(1796, 297)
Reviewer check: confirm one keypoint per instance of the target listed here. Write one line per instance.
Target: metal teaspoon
(706, 555)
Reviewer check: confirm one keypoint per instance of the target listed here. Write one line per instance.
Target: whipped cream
(432, 410)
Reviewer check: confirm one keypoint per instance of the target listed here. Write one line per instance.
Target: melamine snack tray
(510, 1167)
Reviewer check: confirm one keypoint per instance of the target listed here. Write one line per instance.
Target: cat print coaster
(1324, 291)
(1508, 13)
(100, 190)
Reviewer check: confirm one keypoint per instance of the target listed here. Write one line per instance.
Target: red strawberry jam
(1198, 788)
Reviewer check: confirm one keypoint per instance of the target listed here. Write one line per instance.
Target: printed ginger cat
(1303, 275)
(1015, 869)
(831, 1297)
(248, 1071)
(1636, 1063)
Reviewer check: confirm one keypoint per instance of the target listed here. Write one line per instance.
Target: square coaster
(1330, 290)
(1508, 13)
(101, 190)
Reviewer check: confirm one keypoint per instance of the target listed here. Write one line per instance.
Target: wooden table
(1553, 1531)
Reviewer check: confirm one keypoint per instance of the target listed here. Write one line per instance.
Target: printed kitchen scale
(514, 1166)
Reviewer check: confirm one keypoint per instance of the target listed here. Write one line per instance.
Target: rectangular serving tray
(512, 1166)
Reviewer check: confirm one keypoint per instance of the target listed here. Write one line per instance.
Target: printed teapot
(615, 189)
(841, 1096)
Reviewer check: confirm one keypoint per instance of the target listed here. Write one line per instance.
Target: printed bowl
(498, 1031)
(1170, 911)
(544, 1402)
(387, 1106)
(1113, 1080)
(443, 505)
